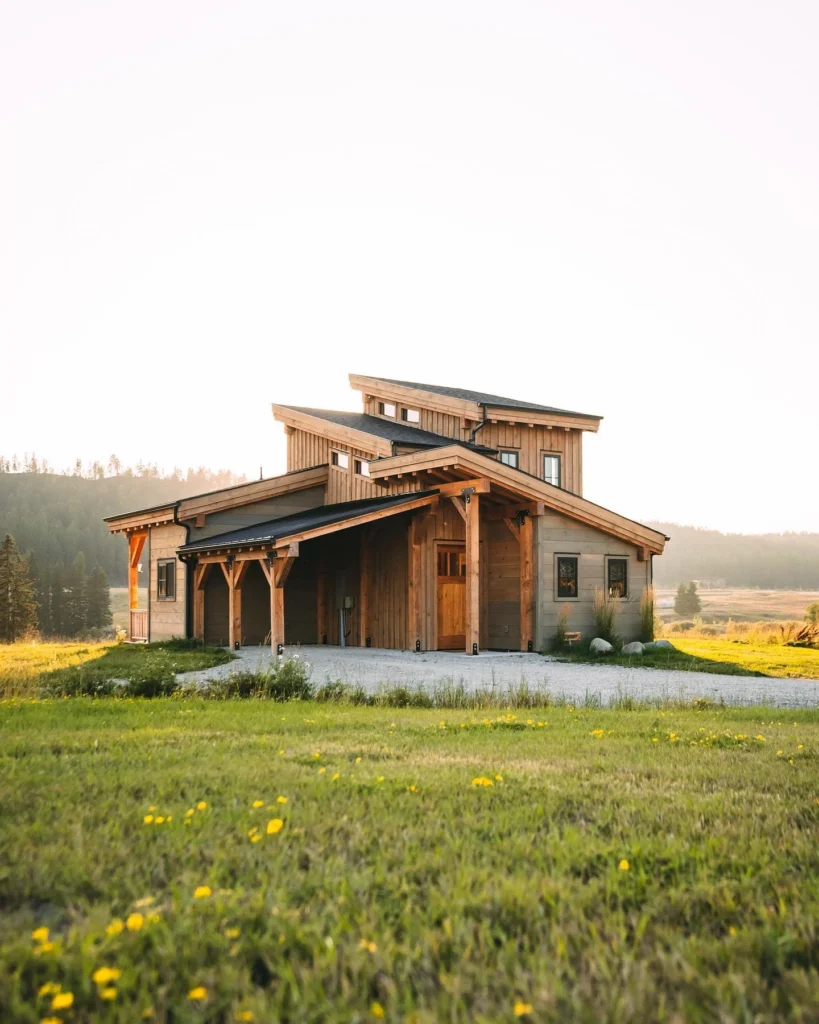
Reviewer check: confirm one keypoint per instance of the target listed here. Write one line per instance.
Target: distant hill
(56, 516)
(773, 561)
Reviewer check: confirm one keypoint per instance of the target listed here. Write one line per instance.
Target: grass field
(744, 604)
(247, 860)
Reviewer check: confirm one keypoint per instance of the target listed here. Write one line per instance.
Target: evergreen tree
(42, 593)
(99, 600)
(694, 603)
(681, 600)
(687, 600)
(18, 604)
(58, 602)
(75, 612)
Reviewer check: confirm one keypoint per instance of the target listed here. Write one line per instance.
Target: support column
(136, 545)
(415, 582)
(365, 582)
(233, 612)
(527, 581)
(277, 570)
(200, 575)
(473, 573)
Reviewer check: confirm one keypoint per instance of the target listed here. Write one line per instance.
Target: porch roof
(276, 531)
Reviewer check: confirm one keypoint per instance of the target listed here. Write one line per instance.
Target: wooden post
(136, 544)
(473, 573)
(365, 573)
(233, 613)
(415, 581)
(527, 582)
(200, 575)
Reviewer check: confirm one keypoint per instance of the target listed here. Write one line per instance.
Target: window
(617, 577)
(361, 467)
(452, 563)
(509, 459)
(340, 459)
(551, 469)
(166, 579)
(567, 576)
(410, 416)
(386, 409)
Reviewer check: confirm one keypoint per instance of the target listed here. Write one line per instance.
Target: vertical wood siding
(167, 618)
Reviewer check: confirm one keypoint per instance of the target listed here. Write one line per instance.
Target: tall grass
(605, 617)
(647, 616)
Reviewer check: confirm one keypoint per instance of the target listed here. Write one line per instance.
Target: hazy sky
(605, 206)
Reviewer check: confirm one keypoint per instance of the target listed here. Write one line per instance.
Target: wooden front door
(451, 597)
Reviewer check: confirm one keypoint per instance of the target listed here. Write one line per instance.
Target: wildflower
(521, 1008)
(152, 807)
(321, 771)
(103, 975)
(232, 933)
(779, 753)
(336, 775)
(380, 778)
(358, 760)
(498, 778)
(198, 994)
(761, 739)
(281, 799)
(256, 838)
(190, 812)
(62, 1001)
(244, 1015)
(201, 806)
(134, 922)
(201, 892)
(274, 825)
(481, 780)
(654, 739)
(146, 901)
(148, 819)
(159, 820)
(317, 753)
(800, 746)
(598, 733)
(50, 988)
(412, 789)
(258, 803)
(281, 753)
(51, 1020)
(624, 865)
(115, 927)
(40, 935)
(732, 930)
(368, 945)
(252, 832)
(108, 993)
(377, 1010)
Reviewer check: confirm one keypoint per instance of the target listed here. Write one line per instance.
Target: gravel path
(373, 668)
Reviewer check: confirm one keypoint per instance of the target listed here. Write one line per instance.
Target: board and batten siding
(305, 450)
(166, 618)
(257, 512)
(558, 535)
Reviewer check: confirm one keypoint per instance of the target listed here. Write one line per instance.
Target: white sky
(604, 206)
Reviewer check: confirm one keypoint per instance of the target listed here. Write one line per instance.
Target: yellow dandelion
(380, 778)
(498, 778)
(377, 1010)
(368, 945)
(274, 825)
(115, 927)
(779, 753)
(201, 892)
(190, 812)
(103, 975)
(256, 838)
(258, 803)
(134, 922)
(761, 739)
(281, 799)
(108, 993)
(321, 771)
(201, 806)
(317, 753)
(624, 865)
(232, 933)
(732, 930)
(597, 733)
(62, 1001)
(51, 1020)
(49, 989)
(245, 1015)
(482, 780)
(40, 935)
(654, 739)
(358, 760)
(412, 789)
(800, 746)
(159, 820)
(521, 1009)
(336, 775)
(198, 994)
(281, 753)
(148, 819)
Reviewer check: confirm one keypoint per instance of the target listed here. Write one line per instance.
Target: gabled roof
(396, 432)
(482, 398)
(276, 531)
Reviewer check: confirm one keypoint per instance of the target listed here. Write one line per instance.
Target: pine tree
(18, 605)
(99, 600)
(42, 594)
(687, 600)
(75, 611)
(694, 603)
(58, 600)
(681, 600)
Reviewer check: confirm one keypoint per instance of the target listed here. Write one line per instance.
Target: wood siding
(556, 534)
(437, 422)
(305, 449)
(503, 582)
(166, 618)
(257, 512)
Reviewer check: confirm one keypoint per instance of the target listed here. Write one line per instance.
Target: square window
(386, 409)
(567, 582)
(617, 577)
(509, 459)
(410, 416)
(551, 469)
(340, 459)
(362, 468)
(166, 579)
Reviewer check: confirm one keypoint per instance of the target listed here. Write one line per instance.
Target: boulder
(659, 645)
(634, 648)
(599, 646)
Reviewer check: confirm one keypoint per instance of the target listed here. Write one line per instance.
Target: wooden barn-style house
(437, 518)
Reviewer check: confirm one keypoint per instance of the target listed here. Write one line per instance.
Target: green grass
(399, 885)
(725, 657)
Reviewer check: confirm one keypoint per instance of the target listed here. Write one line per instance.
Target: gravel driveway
(372, 668)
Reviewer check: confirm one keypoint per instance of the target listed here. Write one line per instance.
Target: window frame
(552, 455)
(361, 467)
(336, 454)
(383, 406)
(576, 559)
(509, 451)
(405, 415)
(624, 595)
(163, 563)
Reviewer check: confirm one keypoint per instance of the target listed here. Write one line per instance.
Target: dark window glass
(566, 576)
(618, 577)
(509, 459)
(166, 579)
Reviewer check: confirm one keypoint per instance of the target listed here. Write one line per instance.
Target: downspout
(480, 426)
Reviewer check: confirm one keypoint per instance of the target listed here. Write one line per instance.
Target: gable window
(361, 467)
(386, 409)
(617, 577)
(551, 469)
(166, 579)
(410, 416)
(509, 459)
(340, 459)
(567, 576)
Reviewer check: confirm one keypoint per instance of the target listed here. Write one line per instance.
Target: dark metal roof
(395, 431)
(287, 526)
(483, 398)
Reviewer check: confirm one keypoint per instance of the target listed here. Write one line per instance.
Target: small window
(452, 563)
(509, 459)
(340, 459)
(567, 576)
(386, 409)
(166, 579)
(617, 577)
(551, 469)
(410, 416)
(361, 467)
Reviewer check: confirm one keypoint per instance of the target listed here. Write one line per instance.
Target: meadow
(194, 860)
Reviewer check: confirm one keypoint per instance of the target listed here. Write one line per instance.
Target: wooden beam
(222, 563)
(527, 583)
(364, 583)
(281, 570)
(234, 607)
(459, 505)
(415, 581)
(480, 485)
(473, 574)
(513, 528)
(256, 490)
(266, 569)
(533, 508)
(200, 520)
(276, 617)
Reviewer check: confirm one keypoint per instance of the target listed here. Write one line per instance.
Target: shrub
(559, 641)
(647, 629)
(812, 613)
(341, 693)
(287, 680)
(605, 616)
(681, 627)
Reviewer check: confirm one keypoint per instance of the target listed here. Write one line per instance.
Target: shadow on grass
(669, 660)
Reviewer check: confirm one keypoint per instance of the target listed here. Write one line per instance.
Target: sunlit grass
(767, 659)
(22, 664)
